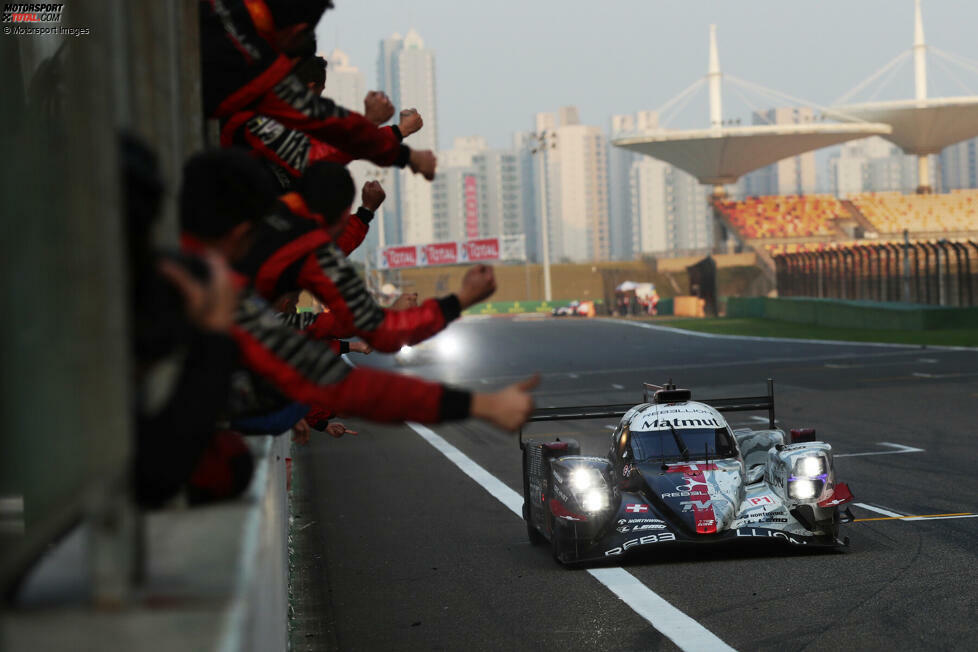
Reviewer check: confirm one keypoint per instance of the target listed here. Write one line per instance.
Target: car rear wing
(617, 410)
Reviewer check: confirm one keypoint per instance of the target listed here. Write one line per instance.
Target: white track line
(900, 449)
(796, 340)
(878, 510)
(938, 518)
(672, 623)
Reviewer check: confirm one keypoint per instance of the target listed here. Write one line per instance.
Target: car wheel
(532, 533)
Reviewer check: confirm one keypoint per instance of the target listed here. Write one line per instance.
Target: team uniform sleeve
(330, 277)
(356, 231)
(311, 373)
(297, 107)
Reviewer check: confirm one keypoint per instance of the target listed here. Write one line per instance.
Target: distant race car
(574, 309)
(677, 474)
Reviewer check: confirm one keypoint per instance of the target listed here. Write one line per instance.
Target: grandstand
(955, 213)
(787, 216)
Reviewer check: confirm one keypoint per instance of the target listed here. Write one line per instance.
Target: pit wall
(853, 314)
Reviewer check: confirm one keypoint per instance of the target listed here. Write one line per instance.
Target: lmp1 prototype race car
(677, 474)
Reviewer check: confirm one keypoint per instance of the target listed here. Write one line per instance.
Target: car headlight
(810, 467)
(803, 488)
(589, 487)
(406, 352)
(594, 500)
(581, 478)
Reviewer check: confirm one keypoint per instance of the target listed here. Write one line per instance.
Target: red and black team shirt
(242, 72)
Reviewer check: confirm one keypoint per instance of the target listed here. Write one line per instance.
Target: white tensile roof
(722, 155)
(919, 126)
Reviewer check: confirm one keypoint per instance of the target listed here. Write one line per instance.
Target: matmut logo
(31, 12)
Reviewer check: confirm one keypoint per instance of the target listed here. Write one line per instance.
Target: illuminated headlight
(406, 352)
(594, 500)
(803, 488)
(810, 467)
(582, 479)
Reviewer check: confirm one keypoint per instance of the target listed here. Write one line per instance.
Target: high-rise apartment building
(621, 225)
(872, 164)
(406, 72)
(576, 182)
(794, 175)
(478, 191)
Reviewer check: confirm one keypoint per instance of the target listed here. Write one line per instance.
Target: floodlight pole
(541, 142)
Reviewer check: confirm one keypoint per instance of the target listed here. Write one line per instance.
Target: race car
(677, 474)
(574, 309)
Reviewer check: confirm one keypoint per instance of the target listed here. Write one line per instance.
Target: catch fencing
(942, 272)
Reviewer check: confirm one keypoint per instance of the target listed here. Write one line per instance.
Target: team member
(281, 252)
(246, 50)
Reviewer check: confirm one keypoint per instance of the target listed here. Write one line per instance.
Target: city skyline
(639, 55)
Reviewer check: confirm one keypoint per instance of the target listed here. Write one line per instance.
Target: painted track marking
(923, 517)
(672, 623)
(900, 449)
(879, 510)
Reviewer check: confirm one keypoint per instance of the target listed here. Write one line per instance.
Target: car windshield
(670, 443)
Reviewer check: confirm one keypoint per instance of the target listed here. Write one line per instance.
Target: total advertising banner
(439, 253)
(396, 257)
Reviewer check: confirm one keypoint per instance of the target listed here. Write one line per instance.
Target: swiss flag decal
(635, 508)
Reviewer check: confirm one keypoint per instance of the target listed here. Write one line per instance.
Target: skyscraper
(406, 72)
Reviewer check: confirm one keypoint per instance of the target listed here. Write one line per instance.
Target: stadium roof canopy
(920, 127)
(722, 155)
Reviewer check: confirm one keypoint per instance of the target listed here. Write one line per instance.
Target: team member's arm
(330, 277)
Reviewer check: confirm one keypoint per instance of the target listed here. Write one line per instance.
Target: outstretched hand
(510, 407)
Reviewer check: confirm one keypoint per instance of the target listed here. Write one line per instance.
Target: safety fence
(942, 272)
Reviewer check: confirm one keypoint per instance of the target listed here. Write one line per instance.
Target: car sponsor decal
(840, 495)
(558, 510)
(690, 421)
(623, 521)
(641, 526)
(699, 501)
(690, 468)
(661, 537)
(636, 508)
(751, 532)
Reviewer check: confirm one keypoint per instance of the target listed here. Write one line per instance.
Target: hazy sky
(497, 63)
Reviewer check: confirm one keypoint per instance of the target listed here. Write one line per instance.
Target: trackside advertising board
(441, 253)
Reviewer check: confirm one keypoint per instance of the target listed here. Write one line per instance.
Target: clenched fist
(423, 162)
(478, 284)
(372, 195)
(377, 107)
(410, 122)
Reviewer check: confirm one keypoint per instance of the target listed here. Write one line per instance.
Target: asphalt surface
(411, 553)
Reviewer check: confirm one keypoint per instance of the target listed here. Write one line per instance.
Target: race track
(399, 547)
